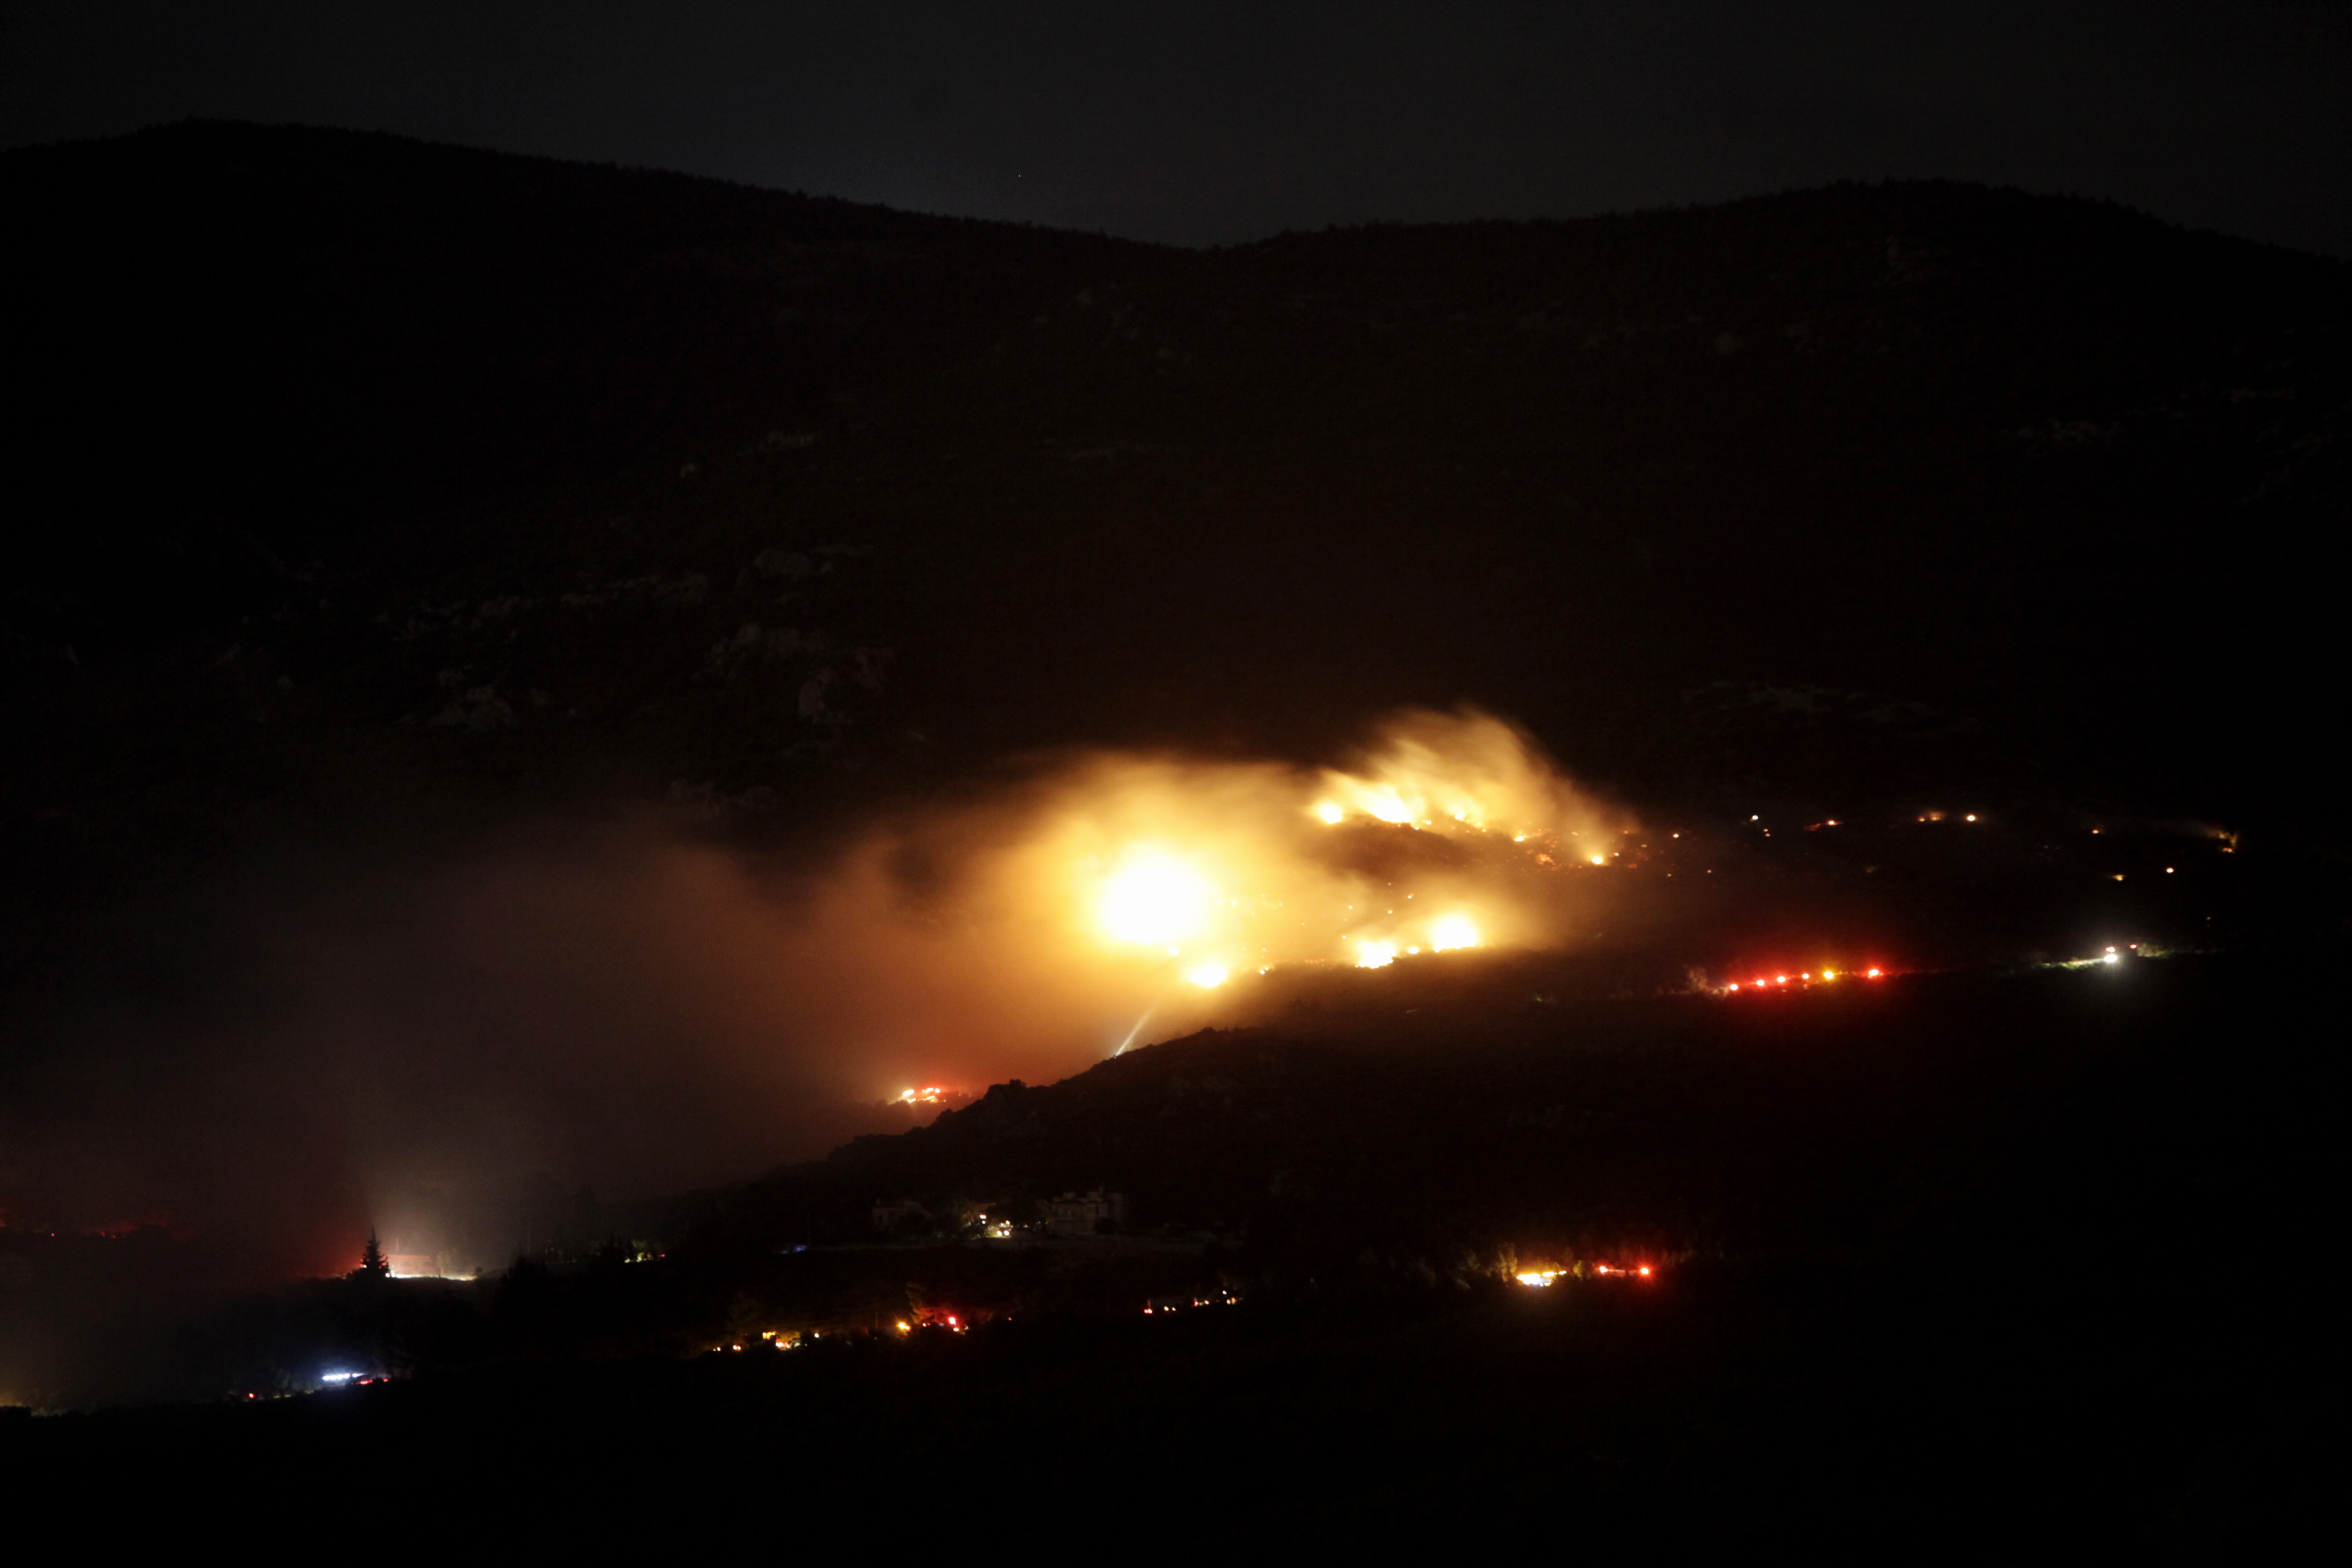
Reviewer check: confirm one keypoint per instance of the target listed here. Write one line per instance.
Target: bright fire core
(1452, 835)
(1116, 892)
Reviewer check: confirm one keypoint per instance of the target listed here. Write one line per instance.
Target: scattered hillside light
(338, 1377)
(1208, 975)
(1872, 974)
(1970, 817)
(1829, 974)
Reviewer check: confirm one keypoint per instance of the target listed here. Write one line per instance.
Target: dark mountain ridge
(2046, 461)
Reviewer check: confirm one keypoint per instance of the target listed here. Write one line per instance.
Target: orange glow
(1028, 930)
(1454, 930)
(1153, 899)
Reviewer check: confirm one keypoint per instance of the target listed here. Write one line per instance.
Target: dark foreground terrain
(1958, 1258)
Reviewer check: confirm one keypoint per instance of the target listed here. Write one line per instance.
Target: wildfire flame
(1119, 884)
(1428, 844)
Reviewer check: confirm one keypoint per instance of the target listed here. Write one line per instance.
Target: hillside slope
(369, 483)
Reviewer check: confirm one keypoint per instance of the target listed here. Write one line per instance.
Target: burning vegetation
(1454, 832)
(1052, 922)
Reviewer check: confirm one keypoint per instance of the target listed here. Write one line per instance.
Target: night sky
(1215, 122)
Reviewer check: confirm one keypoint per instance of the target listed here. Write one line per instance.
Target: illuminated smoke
(1023, 933)
(450, 1054)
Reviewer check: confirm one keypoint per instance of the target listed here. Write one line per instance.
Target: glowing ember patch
(1375, 955)
(1330, 811)
(1454, 930)
(1600, 859)
(1154, 899)
(1208, 975)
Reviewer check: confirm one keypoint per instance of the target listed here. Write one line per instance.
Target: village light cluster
(1538, 1279)
(1805, 978)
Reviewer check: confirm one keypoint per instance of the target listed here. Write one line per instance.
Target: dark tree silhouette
(373, 1265)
